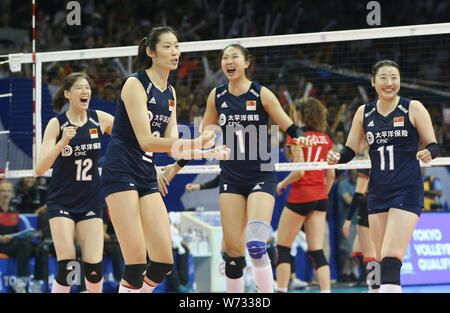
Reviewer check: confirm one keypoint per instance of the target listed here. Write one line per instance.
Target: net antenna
(38, 58)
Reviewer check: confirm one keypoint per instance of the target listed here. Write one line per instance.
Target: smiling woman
(74, 199)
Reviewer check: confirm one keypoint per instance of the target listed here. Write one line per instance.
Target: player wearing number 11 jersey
(392, 126)
(71, 144)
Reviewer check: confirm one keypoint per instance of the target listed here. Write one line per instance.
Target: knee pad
(93, 272)
(234, 266)
(317, 258)
(67, 271)
(390, 271)
(283, 255)
(363, 214)
(134, 274)
(157, 272)
(256, 236)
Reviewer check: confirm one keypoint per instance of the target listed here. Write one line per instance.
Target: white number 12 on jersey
(83, 168)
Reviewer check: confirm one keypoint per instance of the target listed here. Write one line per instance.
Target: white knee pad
(256, 236)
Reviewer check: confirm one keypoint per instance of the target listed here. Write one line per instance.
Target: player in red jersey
(308, 200)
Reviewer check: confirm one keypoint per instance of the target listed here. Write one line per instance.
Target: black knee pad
(317, 258)
(390, 271)
(65, 275)
(157, 272)
(283, 255)
(234, 266)
(93, 272)
(134, 274)
(363, 214)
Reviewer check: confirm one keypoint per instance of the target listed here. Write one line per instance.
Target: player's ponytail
(143, 61)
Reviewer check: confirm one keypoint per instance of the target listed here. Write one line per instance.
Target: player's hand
(346, 228)
(280, 187)
(6, 238)
(333, 157)
(68, 133)
(192, 187)
(205, 140)
(218, 153)
(424, 156)
(304, 142)
(165, 176)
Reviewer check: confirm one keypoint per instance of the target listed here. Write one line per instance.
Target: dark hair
(143, 61)
(247, 55)
(59, 100)
(314, 113)
(382, 63)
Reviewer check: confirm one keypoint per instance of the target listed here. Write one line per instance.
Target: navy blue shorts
(62, 211)
(269, 187)
(143, 190)
(414, 209)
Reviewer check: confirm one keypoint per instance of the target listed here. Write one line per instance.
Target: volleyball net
(331, 66)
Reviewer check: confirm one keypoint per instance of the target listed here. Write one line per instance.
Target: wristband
(182, 162)
(295, 131)
(347, 154)
(434, 149)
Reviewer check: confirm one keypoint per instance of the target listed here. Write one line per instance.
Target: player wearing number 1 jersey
(393, 127)
(308, 198)
(71, 144)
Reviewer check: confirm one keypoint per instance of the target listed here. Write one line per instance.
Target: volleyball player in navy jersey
(393, 126)
(71, 144)
(248, 180)
(145, 122)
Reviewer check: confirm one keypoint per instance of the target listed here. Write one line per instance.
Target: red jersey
(311, 187)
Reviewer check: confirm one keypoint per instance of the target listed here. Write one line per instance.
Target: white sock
(128, 289)
(264, 278)
(325, 291)
(282, 290)
(390, 288)
(57, 288)
(94, 287)
(235, 285)
(147, 288)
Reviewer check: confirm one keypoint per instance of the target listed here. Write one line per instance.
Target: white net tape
(279, 167)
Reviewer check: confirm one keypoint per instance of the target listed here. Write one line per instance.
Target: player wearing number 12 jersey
(71, 144)
(308, 198)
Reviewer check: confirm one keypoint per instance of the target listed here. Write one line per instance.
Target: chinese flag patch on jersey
(94, 133)
(399, 121)
(250, 105)
(171, 105)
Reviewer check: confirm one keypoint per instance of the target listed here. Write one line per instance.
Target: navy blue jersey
(395, 177)
(244, 123)
(125, 161)
(75, 182)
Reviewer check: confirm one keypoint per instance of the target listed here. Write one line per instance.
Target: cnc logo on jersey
(222, 119)
(399, 121)
(171, 105)
(67, 151)
(94, 133)
(370, 138)
(250, 105)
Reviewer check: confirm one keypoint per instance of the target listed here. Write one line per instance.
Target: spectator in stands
(346, 189)
(26, 195)
(433, 191)
(10, 244)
